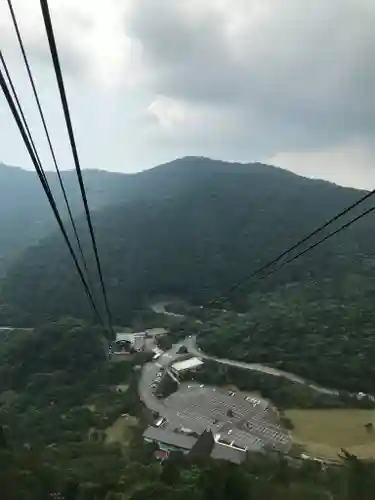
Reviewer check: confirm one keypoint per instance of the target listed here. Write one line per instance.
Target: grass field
(324, 432)
(120, 430)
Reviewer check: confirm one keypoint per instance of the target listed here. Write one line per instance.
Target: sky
(285, 82)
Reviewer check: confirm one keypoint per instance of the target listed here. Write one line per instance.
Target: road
(191, 344)
(151, 369)
(159, 308)
(148, 375)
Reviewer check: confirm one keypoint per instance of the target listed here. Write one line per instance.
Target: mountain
(192, 227)
(25, 215)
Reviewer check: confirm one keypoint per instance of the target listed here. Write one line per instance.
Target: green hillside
(25, 215)
(57, 403)
(192, 228)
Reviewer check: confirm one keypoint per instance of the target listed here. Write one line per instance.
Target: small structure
(203, 446)
(187, 364)
(168, 440)
(228, 453)
(155, 332)
(161, 455)
(135, 340)
(157, 352)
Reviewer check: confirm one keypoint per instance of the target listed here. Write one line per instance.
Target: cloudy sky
(287, 82)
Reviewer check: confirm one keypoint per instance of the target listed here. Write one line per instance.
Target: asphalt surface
(149, 372)
(250, 422)
(191, 344)
(159, 308)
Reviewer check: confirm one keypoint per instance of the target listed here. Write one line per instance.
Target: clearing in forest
(324, 432)
(121, 430)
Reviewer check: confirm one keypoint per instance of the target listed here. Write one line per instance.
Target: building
(155, 332)
(161, 455)
(157, 352)
(228, 454)
(169, 440)
(186, 364)
(202, 446)
(135, 340)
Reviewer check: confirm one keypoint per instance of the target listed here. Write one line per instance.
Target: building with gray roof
(168, 439)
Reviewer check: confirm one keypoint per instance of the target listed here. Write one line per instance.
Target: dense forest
(57, 403)
(25, 215)
(324, 333)
(192, 228)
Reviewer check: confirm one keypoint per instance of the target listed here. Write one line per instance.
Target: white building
(187, 364)
(137, 340)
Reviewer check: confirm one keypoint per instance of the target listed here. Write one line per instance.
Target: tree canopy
(204, 226)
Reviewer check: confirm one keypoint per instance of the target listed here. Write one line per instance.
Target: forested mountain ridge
(25, 215)
(193, 227)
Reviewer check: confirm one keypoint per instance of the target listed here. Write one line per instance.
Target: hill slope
(193, 227)
(25, 215)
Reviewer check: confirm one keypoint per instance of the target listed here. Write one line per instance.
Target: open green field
(324, 432)
(120, 430)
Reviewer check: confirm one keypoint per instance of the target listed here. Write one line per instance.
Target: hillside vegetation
(58, 405)
(25, 215)
(192, 228)
(322, 330)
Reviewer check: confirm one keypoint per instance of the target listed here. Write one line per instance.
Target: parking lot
(235, 418)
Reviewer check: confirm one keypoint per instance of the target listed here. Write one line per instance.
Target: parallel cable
(304, 240)
(37, 100)
(42, 178)
(322, 240)
(240, 285)
(64, 101)
(22, 115)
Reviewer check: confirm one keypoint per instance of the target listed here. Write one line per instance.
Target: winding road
(191, 344)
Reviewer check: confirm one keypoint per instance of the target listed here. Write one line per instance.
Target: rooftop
(120, 337)
(156, 331)
(221, 452)
(170, 438)
(187, 364)
(232, 417)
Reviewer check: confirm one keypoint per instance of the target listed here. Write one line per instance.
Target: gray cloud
(289, 81)
(304, 73)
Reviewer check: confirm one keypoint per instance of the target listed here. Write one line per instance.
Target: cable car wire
(300, 242)
(240, 285)
(64, 102)
(37, 100)
(42, 178)
(22, 115)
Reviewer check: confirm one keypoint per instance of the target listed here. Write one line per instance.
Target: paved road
(191, 344)
(148, 375)
(159, 308)
(5, 329)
